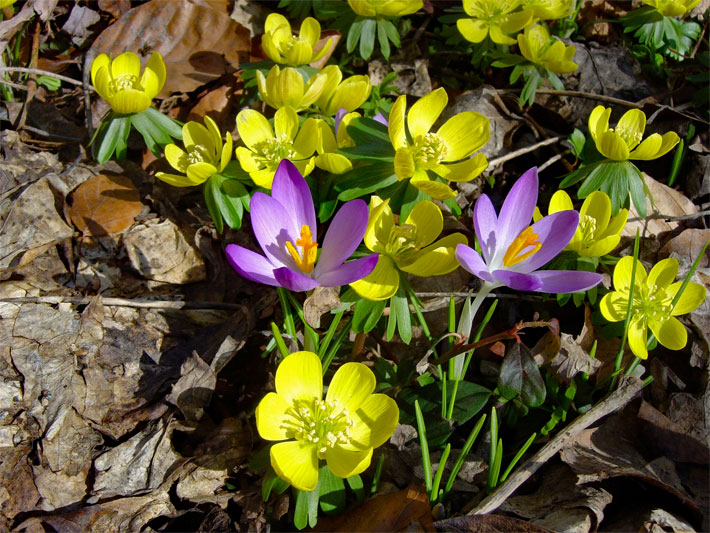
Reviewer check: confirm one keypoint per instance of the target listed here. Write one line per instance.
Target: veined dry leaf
(488, 523)
(115, 7)
(198, 42)
(322, 301)
(105, 204)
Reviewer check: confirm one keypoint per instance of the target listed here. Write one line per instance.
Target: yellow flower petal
(396, 123)
(271, 49)
(515, 22)
(426, 217)
(277, 23)
(333, 163)
(305, 142)
(637, 337)
(465, 170)
(663, 273)
(612, 146)
(299, 54)
(262, 178)
(693, 296)
(622, 274)
(200, 172)
(648, 148)
(631, 127)
(272, 416)
(669, 140)
(286, 122)
(157, 65)
(599, 122)
(246, 160)
(126, 63)
(438, 191)
(560, 201)
(425, 111)
(300, 376)
(670, 333)
(617, 223)
(598, 206)
(345, 463)
(101, 61)
(177, 157)
(194, 133)
(614, 306)
(350, 94)
(310, 31)
(226, 155)
(351, 385)
(404, 163)
(438, 258)
(175, 180)
(333, 77)
(215, 134)
(381, 284)
(379, 224)
(498, 36)
(253, 128)
(473, 30)
(129, 101)
(375, 421)
(296, 462)
(463, 134)
(600, 247)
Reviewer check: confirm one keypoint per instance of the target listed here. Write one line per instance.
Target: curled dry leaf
(198, 42)
(104, 204)
(322, 301)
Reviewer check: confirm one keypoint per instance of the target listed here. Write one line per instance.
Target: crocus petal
(614, 306)
(637, 337)
(517, 281)
(251, 265)
(623, 271)
(518, 208)
(272, 417)
(343, 236)
(437, 259)
(345, 463)
(564, 281)
(382, 283)
(374, 421)
(463, 134)
(348, 272)
(425, 111)
(554, 232)
(300, 377)
(693, 296)
(273, 226)
(297, 463)
(670, 333)
(292, 192)
(351, 385)
(472, 262)
(663, 273)
(294, 280)
(485, 223)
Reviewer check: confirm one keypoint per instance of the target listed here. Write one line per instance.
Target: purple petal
(471, 261)
(518, 208)
(338, 117)
(294, 280)
(485, 223)
(518, 281)
(348, 272)
(343, 236)
(379, 117)
(273, 226)
(561, 281)
(292, 192)
(554, 231)
(250, 265)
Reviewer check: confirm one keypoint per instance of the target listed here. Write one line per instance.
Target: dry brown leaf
(198, 42)
(324, 36)
(488, 523)
(322, 301)
(668, 203)
(115, 7)
(104, 204)
(219, 104)
(405, 510)
(687, 246)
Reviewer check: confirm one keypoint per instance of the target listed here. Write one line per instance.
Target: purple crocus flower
(513, 250)
(285, 227)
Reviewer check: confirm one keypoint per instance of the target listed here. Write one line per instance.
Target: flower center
(654, 303)
(402, 242)
(518, 250)
(322, 423)
(587, 228)
(287, 45)
(124, 82)
(631, 136)
(272, 151)
(198, 154)
(428, 150)
(309, 250)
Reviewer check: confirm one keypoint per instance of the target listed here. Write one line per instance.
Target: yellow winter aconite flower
(538, 47)
(281, 46)
(266, 148)
(343, 429)
(549, 9)
(385, 8)
(204, 154)
(497, 18)
(328, 143)
(598, 233)
(446, 152)
(672, 8)
(121, 84)
(286, 88)
(622, 143)
(348, 94)
(407, 247)
(6, 3)
(653, 295)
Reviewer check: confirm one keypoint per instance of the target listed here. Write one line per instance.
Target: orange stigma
(307, 260)
(516, 253)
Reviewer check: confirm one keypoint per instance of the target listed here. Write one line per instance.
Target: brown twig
(523, 151)
(124, 302)
(39, 72)
(628, 389)
(579, 94)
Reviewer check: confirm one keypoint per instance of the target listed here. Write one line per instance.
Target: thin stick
(579, 94)
(522, 151)
(43, 73)
(123, 302)
(627, 391)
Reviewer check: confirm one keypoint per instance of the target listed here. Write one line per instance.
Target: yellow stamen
(515, 253)
(307, 259)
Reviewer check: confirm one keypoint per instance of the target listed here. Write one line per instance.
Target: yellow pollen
(516, 251)
(307, 259)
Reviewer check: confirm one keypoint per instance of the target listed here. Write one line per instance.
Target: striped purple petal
(250, 265)
(348, 272)
(343, 236)
(294, 280)
(292, 192)
(518, 208)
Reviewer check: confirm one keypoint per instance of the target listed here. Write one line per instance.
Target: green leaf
(354, 34)
(50, 82)
(365, 130)
(527, 95)
(555, 81)
(392, 32)
(364, 180)
(367, 314)
(209, 192)
(638, 195)
(577, 140)
(508, 60)
(272, 483)
(382, 38)
(399, 307)
(411, 197)
(113, 138)
(357, 486)
(606, 170)
(170, 126)
(332, 491)
(367, 39)
(155, 138)
(373, 152)
(306, 511)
